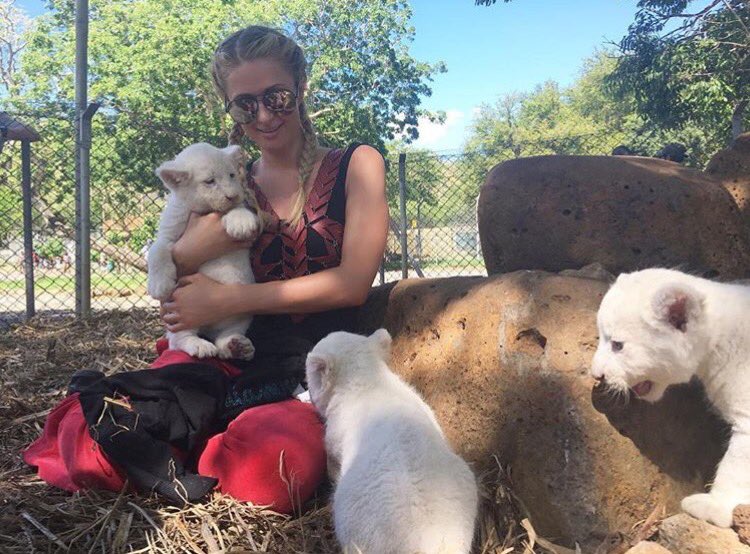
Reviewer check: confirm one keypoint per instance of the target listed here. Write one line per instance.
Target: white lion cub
(401, 489)
(660, 327)
(203, 179)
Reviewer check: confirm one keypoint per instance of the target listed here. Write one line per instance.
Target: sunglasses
(244, 107)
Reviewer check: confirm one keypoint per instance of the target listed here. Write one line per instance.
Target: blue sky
(491, 51)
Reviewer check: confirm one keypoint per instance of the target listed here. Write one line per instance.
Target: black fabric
(337, 203)
(139, 417)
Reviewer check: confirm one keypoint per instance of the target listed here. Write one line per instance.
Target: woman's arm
(204, 239)
(201, 301)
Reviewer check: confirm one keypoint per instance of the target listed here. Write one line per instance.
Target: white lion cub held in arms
(660, 327)
(203, 179)
(400, 489)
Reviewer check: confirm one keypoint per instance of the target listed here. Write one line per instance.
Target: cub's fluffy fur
(206, 179)
(400, 489)
(660, 327)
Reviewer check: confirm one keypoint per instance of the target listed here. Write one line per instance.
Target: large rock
(504, 361)
(687, 535)
(645, 547)
(732, 167)
(559, 212)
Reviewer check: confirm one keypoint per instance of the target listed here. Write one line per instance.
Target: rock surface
(504, 363)
(742, 522)
(646, 547)
(684, 534)
(564, 212)
(731, 166)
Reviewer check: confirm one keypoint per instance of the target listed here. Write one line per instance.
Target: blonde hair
(253, 43)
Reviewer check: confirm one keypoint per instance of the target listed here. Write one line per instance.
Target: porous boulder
(626, 212)
(731, 167)
(504, 360)
(687, 535)
(645, 547)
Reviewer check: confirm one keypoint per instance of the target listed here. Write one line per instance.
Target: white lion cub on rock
(401, 489)
(206, 179)
(660, 327)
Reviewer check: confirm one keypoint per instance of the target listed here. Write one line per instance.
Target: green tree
(149, 69)
(684, 64)
(149, 59)
(585, 118)
(13, 24)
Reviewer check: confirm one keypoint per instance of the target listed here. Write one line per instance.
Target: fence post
(83, 220)
(404, 223)
(83, 244)
(28, 240)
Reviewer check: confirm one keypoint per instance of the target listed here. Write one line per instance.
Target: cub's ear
(677, 305)
(317, 363)
(236, 154)
(172, 174)
(318, 373)
(382, 338)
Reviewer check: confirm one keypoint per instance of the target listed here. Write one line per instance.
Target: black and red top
(283, 252)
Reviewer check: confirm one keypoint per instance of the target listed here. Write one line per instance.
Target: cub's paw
(162, 283)
(195, 346)
(709, 507)
(241, 224)
(237, 347)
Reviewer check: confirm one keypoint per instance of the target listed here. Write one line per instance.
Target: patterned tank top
(283, 252)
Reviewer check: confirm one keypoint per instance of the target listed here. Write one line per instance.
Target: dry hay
(38, 359)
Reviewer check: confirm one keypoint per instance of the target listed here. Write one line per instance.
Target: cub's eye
(231, 175)
(616, 346)
(210, 181)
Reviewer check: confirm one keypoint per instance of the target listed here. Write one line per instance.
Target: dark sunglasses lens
(279, 100)
(243, 109)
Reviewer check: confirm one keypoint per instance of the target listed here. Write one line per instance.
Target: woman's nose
(264, 114)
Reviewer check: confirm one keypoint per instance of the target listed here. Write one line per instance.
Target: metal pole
(28, 241)
(402, 203)
(83, 246)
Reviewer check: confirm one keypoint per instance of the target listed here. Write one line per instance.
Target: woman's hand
(197, 301)
(204, 239)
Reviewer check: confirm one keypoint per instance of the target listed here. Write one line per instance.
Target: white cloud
(432, 134)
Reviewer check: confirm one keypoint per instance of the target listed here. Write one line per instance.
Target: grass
(66, 283)
(394, 264)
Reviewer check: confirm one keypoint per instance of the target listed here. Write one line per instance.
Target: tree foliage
(685, 62)
(13, 24)
(148, 67)
(149, 60)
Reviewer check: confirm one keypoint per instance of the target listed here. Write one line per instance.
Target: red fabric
(168, 357)
(269, 455)
(245, 458)
(67, 456)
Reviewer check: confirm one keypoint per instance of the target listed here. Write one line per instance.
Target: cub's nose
(231, 197)
(597, 373)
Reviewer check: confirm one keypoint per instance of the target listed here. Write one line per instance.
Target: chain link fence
(44, 164)
(432, 200)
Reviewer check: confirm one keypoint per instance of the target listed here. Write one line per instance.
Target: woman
(314, 263)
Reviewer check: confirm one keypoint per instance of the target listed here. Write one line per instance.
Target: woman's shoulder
(365, 168)
(364, 157)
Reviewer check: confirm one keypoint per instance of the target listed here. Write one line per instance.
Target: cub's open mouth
(642, 388)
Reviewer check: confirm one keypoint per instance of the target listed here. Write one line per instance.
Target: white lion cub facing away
(401, 489)
(205, 179)
(660, 327)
